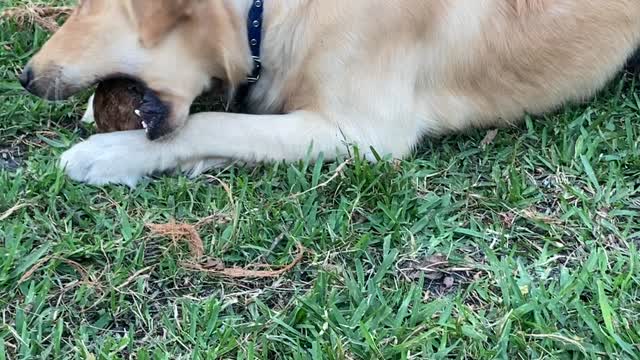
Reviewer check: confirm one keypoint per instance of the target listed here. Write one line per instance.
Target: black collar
(237, 102)
(254, 30)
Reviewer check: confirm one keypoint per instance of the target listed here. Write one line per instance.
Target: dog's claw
(137, 112)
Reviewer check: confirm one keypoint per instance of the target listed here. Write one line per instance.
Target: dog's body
(374, 73)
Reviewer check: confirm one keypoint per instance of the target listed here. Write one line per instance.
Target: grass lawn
(523, 248)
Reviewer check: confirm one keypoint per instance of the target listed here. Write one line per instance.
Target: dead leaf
(433, 275)
(213, 264)
(432, 267)
(489, 138)
(448, 282)
(532, 214)
(508, 219)
(397, 164)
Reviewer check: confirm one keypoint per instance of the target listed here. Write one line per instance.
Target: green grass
(526, 248)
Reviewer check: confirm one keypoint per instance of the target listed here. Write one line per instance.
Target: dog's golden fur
(372, 73)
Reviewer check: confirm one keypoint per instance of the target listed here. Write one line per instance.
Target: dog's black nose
(26, 77)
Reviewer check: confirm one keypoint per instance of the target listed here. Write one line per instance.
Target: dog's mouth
(153, 114)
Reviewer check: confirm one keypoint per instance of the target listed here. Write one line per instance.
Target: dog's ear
(155, 18)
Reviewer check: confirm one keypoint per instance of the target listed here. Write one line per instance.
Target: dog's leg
(126, 157)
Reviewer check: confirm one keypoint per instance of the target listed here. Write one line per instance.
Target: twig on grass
(134, 277)
(79, 268)
(337, 173)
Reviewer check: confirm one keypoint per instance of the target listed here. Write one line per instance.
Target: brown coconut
(114, 105)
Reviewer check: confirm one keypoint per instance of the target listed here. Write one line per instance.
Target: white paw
(114, 158)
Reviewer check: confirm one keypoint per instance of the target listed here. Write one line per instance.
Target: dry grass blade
(45, 16)
(5, 215)
(532, 214)
(216, 218)
(33, 269)
(226, 188)
(134, 277)
(489, 138)
(336, 174)
(79, 268)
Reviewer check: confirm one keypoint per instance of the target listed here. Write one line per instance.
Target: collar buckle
(257, 66)
(254, 31)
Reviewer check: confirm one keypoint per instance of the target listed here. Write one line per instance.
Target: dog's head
(174, 47)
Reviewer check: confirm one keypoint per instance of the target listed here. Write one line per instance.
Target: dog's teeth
(137, 112)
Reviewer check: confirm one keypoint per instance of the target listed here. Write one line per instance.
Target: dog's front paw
(115, 158)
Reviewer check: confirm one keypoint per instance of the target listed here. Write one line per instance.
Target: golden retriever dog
(376, 74)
